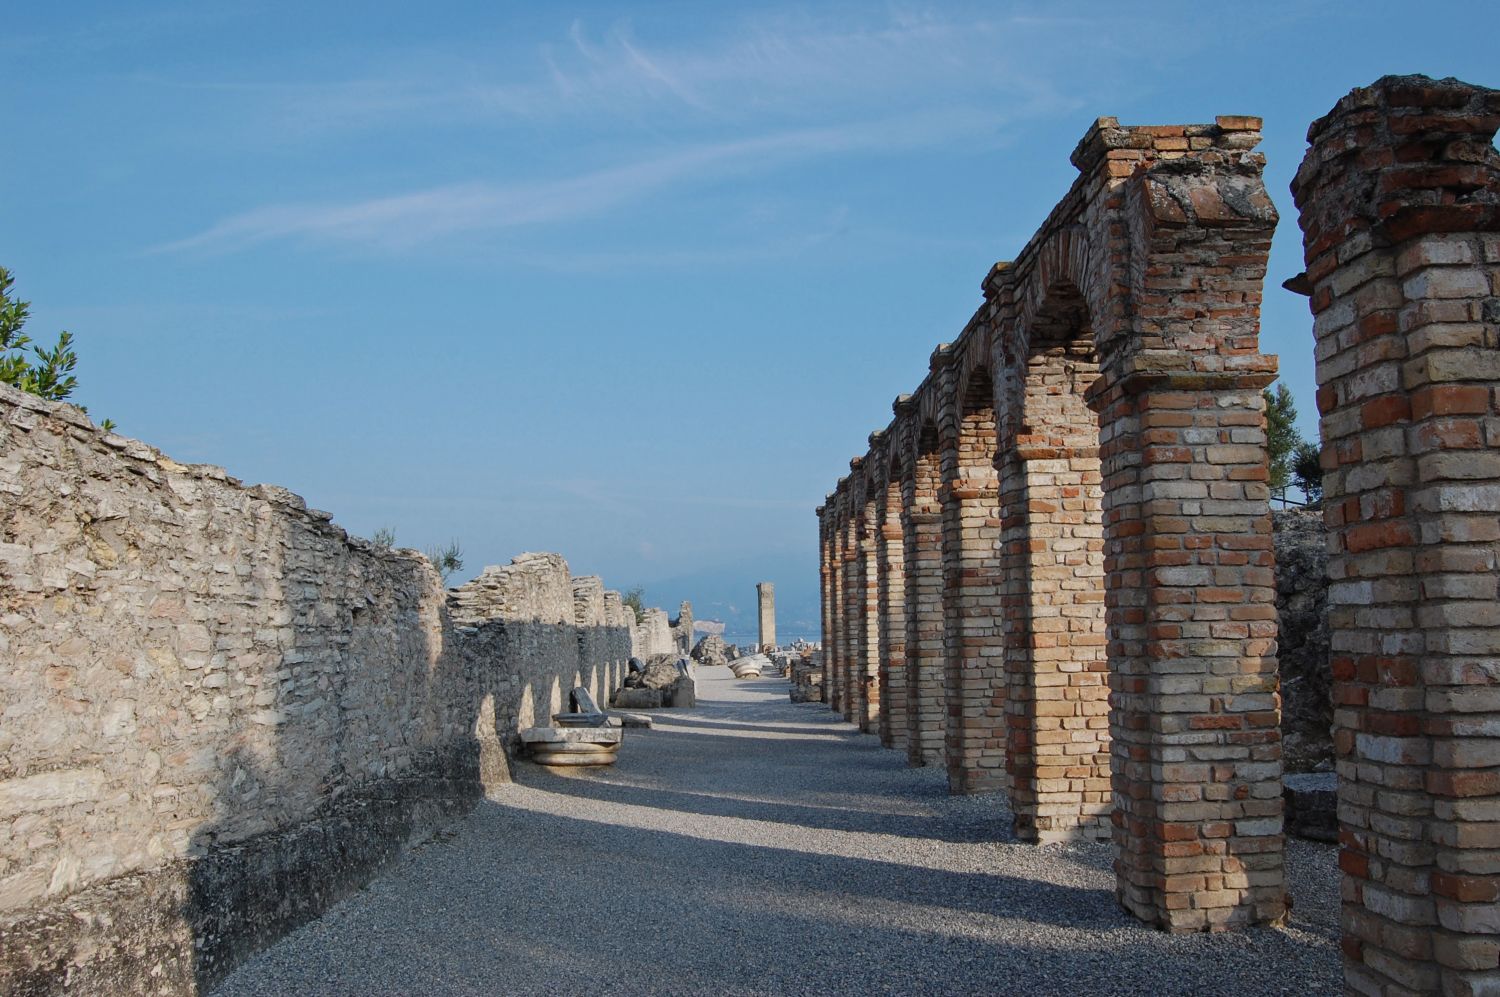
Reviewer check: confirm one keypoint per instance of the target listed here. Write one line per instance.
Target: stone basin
(573, 745)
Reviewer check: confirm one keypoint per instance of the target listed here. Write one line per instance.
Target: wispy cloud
(405, 220)
(791, 65)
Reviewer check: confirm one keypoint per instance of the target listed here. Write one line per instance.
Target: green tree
(1281, 438)
(1307, 471)
(45, 373)
(636, 600)
(50, 374)
(384, 538)
(447, 559)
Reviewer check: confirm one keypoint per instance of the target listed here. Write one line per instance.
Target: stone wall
(221, 713)
(1302, 624)
(653, 635)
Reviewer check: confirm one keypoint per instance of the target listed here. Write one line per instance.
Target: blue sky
(631, 282)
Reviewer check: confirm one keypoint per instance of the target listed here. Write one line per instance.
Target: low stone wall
(222, 713)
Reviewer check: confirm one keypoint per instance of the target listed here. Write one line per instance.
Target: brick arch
(859, 584)
(865, 683)
(834, 652)
(1056, 669)
(890, 552)
(922, 553)
(974, 742)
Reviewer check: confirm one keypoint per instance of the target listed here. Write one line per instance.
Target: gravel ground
(756, 846)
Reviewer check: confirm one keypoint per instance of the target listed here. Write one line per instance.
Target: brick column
(868, 676)
(890, 559)
(1195, 733)
(825, 585)
(921, 528)
(822, 574)
(835, 651)
(851, 702)
(1053, 612)
(973, 672)
(1400, 210)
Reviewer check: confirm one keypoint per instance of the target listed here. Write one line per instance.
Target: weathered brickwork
(867, 678)
(891, 612)
(853, 657)
(1400, 210)
(1085, 521)
(222, 713)
(1053, 608)
(973, 663)
(922, 524)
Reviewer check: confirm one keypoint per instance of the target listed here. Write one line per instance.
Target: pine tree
(1282, 437)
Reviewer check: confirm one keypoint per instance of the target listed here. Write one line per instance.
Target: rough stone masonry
(221, 713)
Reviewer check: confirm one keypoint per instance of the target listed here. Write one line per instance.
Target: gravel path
(756, 846)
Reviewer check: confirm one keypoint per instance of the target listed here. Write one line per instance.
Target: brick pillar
(1400, 211)
(1057, 670)
(973, 663)
(921, 527)
(1195, 733)
(825, 583)
(850, 703)
(890, 555)
(835, 651)
(868, 675)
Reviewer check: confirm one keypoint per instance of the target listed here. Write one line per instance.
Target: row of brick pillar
(1052, 573)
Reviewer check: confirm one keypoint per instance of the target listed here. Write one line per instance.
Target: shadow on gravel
(668, 723)
(734, 869)
(819, 817)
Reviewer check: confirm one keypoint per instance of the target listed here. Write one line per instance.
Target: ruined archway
(1056, 671)
(890, 559)
(974, 690)
(1147, 274)
(865, 682)
(921, 524)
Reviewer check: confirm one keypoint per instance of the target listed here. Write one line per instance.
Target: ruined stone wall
(682, 629)
(1302, 638)
(653, 635)
(221, 712)
(551, 632)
